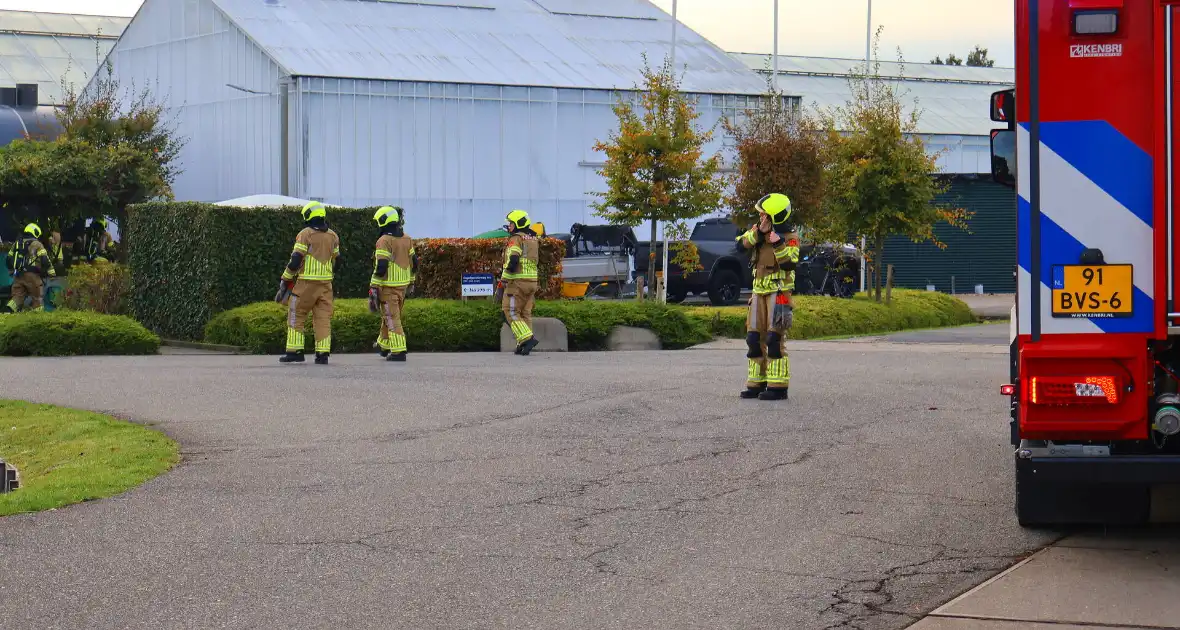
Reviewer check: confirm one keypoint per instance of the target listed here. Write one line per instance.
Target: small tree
(879, 177)
(979, 59)
(777, 150)
(951, 60)
(655, 170)
(106, 114)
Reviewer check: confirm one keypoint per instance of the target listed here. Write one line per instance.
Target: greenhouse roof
(549, 43)
(953, 100)
(44, 48)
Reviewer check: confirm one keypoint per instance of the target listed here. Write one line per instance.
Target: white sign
(479, 285)
(1096, 50)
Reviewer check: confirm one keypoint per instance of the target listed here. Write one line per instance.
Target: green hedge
(819, 316)
(190, 261)
(102, 288)
(454, 326)
(69, 333)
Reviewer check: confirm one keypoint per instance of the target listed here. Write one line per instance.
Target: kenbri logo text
(1096, 50)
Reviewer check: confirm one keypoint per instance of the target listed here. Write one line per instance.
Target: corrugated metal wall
(986, 255)
(458, 157)
(186, 52)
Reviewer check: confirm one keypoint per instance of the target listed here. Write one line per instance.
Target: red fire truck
(1091, 150)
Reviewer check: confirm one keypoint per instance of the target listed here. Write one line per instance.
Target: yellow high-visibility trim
(515, 250)
(382, 254)
(787, 253)
(521, 331)
(527, 271)
(397, 343)
(751, 237)
(775, 282)
(778, 372)
(295, 340)
(314, 269)
(755, 374)
(324, 345)
(301, 248)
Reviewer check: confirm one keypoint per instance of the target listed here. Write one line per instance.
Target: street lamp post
(775, 53)
(664, 268)
(868, 59)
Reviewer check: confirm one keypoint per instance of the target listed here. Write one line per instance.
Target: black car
(725, 272)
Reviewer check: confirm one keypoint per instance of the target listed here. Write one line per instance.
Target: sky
(828, 28)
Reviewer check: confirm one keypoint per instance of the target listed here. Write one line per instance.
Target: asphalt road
(610, 490)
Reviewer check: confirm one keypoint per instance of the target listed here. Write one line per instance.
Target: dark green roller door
(985, 255)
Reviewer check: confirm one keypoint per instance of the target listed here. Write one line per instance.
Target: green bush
(454, 326)
(190, 261)
(819, 316)
(102, 288)
(69, 333)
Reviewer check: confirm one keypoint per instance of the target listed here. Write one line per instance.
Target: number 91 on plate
(1093, 290)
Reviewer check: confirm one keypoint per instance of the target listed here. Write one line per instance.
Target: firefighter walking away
(520, 280)
(774, 254)
(306, 285)
(29, 264)
(395, 263)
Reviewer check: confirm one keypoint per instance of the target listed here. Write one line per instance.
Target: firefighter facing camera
(306, 285)
(395, 264)
(29, 264)
(774, 254)
(519, 277)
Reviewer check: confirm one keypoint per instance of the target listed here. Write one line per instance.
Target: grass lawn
(67, 456)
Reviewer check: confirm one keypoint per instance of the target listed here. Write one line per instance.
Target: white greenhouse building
(458, 110)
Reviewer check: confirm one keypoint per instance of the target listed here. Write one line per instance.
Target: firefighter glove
(374, 300)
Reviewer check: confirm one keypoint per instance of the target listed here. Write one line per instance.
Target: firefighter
(395, 263)
(519, 278)
(774, 254)
(96, 241)
(308, 280)
(29, 262)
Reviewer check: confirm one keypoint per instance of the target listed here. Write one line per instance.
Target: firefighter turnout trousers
(769, 365)
(519, 296)
(315, 297)
(393, 336)
(27, 284)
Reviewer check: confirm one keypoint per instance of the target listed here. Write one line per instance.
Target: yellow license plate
(1093, 290)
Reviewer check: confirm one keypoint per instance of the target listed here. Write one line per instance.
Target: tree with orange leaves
(655, 166)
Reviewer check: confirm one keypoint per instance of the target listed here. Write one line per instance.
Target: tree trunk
(651, 261)
(878, 260)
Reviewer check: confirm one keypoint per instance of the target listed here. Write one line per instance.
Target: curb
(193, 345)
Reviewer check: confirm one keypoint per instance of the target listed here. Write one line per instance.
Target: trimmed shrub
(454, 326)
(821, 316)
(102, 288)
(190, 261)
(70, 333)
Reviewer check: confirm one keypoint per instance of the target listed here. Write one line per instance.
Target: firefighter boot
(527, 347)
(292, 357)
(380, 350)
(399, 357)
(774, 393)
(321, 358)
(753, 392)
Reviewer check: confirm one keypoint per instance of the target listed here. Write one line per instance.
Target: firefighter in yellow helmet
(29, 264)
(307, 285)
(520, 280)
(395, 263)
(774, 254)
(96, 241)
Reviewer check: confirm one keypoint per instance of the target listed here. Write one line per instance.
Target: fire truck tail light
(1007, 390)
(1075, 390)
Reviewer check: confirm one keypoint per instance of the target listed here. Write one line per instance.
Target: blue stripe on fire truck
(1096, 193)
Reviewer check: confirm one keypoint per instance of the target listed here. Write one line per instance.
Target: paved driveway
(612, 490)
